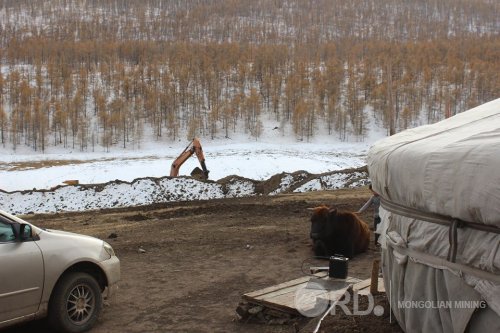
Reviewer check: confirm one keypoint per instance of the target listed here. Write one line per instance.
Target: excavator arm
(193, 148)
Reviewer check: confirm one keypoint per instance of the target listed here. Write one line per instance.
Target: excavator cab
(194, 147)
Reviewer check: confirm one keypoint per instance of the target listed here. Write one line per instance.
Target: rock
(242, 310)
(112, 235)
(280, 321)
(141, 250)
(255, 310)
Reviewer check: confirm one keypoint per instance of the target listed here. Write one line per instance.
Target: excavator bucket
(197, 173)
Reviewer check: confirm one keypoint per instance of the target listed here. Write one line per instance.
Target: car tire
(75, 304)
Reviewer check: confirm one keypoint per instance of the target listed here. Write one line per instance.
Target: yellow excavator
(194, 147)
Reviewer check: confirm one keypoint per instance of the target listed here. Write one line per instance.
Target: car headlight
(109, 250)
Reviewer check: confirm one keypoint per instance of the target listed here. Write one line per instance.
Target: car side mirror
(24, 232)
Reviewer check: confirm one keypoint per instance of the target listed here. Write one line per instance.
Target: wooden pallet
(282, 296)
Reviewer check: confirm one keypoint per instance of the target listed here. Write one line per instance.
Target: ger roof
(450, 168)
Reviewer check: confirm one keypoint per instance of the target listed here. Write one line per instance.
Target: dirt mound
(151, 190)
(298, 181)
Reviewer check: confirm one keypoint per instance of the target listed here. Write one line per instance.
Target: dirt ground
(200, 257)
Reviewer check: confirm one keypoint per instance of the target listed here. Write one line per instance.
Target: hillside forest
(96, 74)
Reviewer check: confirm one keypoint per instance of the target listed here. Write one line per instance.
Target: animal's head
(320, 226)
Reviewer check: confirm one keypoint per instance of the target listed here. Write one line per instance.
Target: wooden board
(365, 287)
(282, 296)
(267, 290)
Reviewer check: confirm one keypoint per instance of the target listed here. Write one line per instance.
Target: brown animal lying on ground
(338, 232)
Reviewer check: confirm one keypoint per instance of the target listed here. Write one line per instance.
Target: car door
(21, 273)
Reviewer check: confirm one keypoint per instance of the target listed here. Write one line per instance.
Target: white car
(57, 274)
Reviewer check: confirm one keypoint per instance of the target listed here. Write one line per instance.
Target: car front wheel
(75, 304)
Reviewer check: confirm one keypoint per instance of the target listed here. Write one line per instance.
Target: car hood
(63, 242)
(72, 235)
